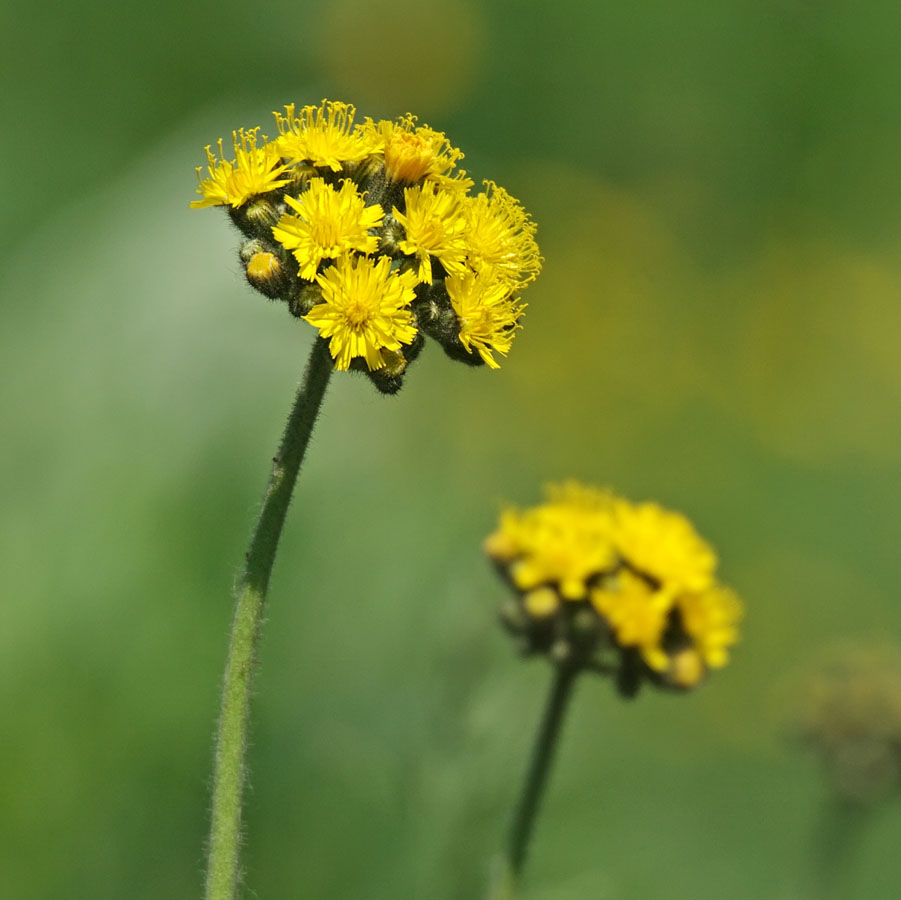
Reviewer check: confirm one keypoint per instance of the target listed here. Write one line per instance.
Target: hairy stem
(231, 740)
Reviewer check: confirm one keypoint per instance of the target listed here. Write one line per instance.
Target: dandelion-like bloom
(255, 170)
(329, 223)
(592, 590)
(413, 152)
(332, 194)
(487, 313)
(434, 227)
(324, 135)
(364, 310)
(501, 237)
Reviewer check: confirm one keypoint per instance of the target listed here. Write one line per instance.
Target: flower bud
(541, 603)
(512, 616)
(686, 669)
(561, 651)
(391, 236)
(304, 299)
(264, 271)
(300, 176)
(256, 217)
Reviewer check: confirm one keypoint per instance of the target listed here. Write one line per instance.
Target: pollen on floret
(501, 237)
(413, 152)
(254, 170)
(327, 223)
(434, 226)
(487, 314)
(324, 135)
(365, 310)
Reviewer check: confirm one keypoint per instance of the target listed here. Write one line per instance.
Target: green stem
(231, 741)
(840, 832)
(536, 780)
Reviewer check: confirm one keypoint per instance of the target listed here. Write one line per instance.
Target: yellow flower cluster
(595, 573)
(368, 231)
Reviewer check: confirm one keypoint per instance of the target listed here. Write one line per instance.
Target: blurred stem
(231, 741)
(536, 780)
(839, 834)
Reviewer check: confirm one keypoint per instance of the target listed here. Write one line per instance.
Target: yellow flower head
(584, 602)
(324, 135)
(329, 190)
(328, 224)
(501, 237)
(664, 546)
(637, 614)
(563, 542)
(414, 152)
(434, 227)
(710, 618)
(255, 170)
(364, 310)
(487, 314)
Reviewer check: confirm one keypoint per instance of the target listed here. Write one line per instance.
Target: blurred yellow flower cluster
(613, 585)
(368, 231)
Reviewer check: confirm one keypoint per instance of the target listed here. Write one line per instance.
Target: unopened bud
(395, 363)
(300, 175)
(512, 617)
(585, 623)
(264, 272)
(391, 235)
(686, 668)
(256, 217)
(561, 651)
(301, 302)
(541, 603)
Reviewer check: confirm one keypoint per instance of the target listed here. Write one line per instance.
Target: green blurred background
(717, 327)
